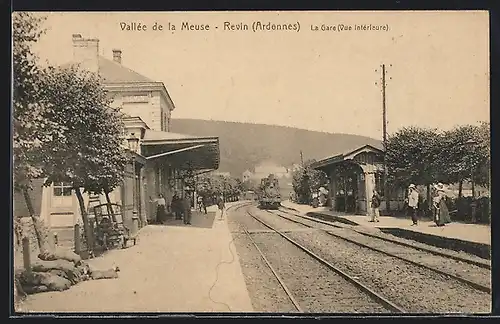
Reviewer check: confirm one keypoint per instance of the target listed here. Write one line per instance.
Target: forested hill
(245, 145)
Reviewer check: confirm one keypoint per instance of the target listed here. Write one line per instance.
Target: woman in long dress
(161, 214)
(441, 213)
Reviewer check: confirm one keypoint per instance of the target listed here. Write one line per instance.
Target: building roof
(157, 137)
(114, 72)
(348, 154)
(183, 151)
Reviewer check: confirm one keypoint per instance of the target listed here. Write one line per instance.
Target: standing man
(175, 206)
(187, 208)
(220, 205)
(413, 203)
(375, 204)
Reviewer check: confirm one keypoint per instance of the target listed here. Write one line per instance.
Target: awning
(327, 163)
(182, 151)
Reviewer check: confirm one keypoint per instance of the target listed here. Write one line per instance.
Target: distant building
(247, 175)
(268, 167)
(223, 174)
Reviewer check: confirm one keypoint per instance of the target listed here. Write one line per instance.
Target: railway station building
(157, 156)
(352, 177)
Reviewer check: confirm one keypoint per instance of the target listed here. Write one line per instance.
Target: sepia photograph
(276, 162)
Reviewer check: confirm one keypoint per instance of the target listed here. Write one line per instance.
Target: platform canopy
(357, 156)
(182, 151)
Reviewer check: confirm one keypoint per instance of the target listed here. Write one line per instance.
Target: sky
(437, 65)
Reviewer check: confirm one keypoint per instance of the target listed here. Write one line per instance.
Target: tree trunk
(460, 185)
(85, 219)
(108, 200)
(429, 199)
(41, 234)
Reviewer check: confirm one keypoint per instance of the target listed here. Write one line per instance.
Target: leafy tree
(249, 184)
(305, 180)
(212, 184)
(425, 156)
(482, 172)
(458, 160)
(413, 155)
(30, 129)
(238, 186)
(88, 152)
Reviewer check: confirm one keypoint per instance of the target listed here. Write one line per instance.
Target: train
(269, 193)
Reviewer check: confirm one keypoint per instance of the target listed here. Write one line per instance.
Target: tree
(210, 184)
(483, 167)
(238, 186)
(305, 180)
(425, 156)
(88, 152)
(413, 155)
(31, 130)
(249, 184)
(458, 160)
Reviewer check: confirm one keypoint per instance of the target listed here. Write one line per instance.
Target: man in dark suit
(187, 208)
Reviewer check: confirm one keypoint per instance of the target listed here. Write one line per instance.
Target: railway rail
(479, 263)
(355, 288)
(434, 260)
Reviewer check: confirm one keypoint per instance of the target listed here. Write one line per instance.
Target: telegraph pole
(384, 134)
(301, 159)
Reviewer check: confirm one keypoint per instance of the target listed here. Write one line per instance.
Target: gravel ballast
(266, 293)
(460, 269)
(414, 288)
(315, 287)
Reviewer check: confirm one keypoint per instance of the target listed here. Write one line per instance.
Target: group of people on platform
(180, 207)
(320, 197)
(441, 215)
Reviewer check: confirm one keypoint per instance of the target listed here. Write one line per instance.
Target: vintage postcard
(271, 162)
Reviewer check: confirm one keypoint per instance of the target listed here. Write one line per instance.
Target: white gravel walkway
(171, 269)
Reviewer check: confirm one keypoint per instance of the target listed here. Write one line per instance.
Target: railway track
(439, 263)
(329, 286)
(479, 263)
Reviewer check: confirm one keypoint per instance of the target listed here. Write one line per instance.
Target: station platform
(470, 238)
(173, 268)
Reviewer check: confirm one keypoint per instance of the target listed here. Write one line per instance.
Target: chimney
(117, 55)
(86, 52)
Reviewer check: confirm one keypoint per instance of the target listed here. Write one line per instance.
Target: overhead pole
(384, 134)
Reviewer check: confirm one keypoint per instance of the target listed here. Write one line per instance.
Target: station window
(62, 189)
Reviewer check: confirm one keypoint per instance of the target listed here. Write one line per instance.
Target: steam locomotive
(269, 193)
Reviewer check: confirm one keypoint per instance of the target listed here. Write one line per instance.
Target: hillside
(244, 145)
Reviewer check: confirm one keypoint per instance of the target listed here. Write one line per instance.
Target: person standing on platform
(175, 206)
(375, 204)
(201, 205)
(161, 215)
(221, 205)
(413, 203)
(441, 213)
(187, 208)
